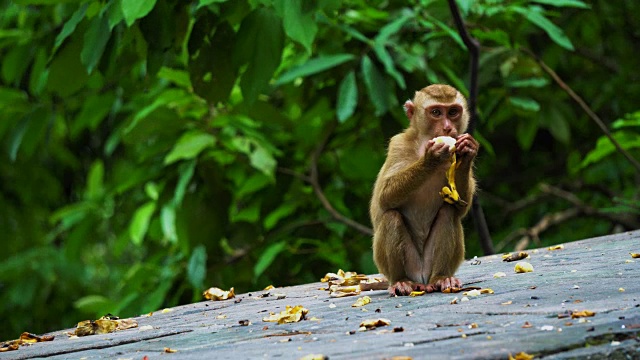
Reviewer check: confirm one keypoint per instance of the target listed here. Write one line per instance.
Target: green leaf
(255, 182)
(70, 26)
(140, 222)
(555, 33)
(392, 28)
(212, 70)
(95, 181)
(630, 120)
(202, 3)
(376, 86)
(189, 146)
(94, 110)
(17, 136)
(298, 25)
(263, 160)
(248, 213)
(260, 41)
(186, 171)
(67, 61)
(284, 210)
(389, 66)
(347, 97)
(197, 267)
(176, 76)
(526, 132)
(168, 222)
(604, 146)
(314, 66)
(532, 82)
(136, 9)
(267, 257)
(95, 41)
(524, 103)
(564, 3)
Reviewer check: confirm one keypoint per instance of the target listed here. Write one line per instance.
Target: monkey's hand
(466, 148)
(436, 153)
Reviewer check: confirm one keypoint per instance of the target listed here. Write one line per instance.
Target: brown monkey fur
(418, 240)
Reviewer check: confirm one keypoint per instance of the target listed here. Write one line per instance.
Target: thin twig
(586, 109)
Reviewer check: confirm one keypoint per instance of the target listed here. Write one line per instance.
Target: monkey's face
(443, 119)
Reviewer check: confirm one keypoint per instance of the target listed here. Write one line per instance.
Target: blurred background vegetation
(154, 148)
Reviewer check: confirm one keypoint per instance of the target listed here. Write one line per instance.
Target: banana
(449, 193)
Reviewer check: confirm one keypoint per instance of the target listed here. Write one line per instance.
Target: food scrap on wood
(289, 315)
(216, 294)
(26, 338)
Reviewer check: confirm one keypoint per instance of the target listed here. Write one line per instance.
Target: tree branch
(584, 107)
(473, 46)
(315, 183)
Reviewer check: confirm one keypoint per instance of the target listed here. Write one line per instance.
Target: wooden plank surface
(585, 275)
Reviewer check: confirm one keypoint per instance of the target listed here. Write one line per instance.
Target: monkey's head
(438, 110)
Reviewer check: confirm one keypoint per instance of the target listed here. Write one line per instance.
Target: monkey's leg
(447, 239)
(395, 255)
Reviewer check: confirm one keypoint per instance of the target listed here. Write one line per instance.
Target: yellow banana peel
(449, 193)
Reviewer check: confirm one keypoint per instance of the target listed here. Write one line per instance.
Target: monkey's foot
(402, 288)
(444, 285)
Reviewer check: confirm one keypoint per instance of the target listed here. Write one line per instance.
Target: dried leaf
(291, 314)
(499, 274)
(373, 323)
(454, 301)
(515, 256)
(314, 357)
(457, 290)
(521, 356)
(217, 294)
(269, 287)
(523, 267)
(417, 293)
(583, 313)
(338, 291)
(125, 324)
(507, 302)
(621, 289)
(486, 291)
(557, 247)
(362, 301)
(635, 255)
(170, 350)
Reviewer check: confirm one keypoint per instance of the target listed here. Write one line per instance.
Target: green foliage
(153, 148)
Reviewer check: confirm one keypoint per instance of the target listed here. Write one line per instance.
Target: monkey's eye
(453, 112)
(436, 112)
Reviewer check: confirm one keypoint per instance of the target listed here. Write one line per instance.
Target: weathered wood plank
(584, 275)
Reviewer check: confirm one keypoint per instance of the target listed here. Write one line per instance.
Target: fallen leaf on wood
(170, 350)
(373, 323)
(556, 247)
(515, 256)
(454, 301)
(521, 356)
(635, 255)
(217, 294)
(486, 291)
(291, 314)
(507, 302)
(472, 293)
(25, 338)
(523, 267)
(314, 357)
(499, 274)
(583, 313)
(362, 301)
(457, 290)
(417, 293)
(269, 287)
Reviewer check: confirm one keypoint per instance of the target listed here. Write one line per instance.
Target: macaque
(418, 241)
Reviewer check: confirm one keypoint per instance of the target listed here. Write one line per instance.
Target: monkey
(418, 241)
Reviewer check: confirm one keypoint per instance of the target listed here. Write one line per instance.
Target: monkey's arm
(394, 189)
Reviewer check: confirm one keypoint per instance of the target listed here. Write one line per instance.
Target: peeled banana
(449, 192)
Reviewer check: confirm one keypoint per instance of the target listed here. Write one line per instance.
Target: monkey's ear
(408, 108)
